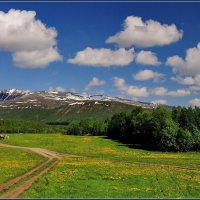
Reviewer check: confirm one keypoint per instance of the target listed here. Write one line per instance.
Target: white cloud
(147, 58)
(195, 102)
(130, 90)
(145, 33)
(57, 89)
(135, 91)
(20, 31)
(144, 75)
(159, 102)
(184, 80)
(187, 66)
(94, 83)
(197, 80)
(36, 59)
(175, 61)
(194, 81)
(162, 91)
(103, 57)
(194, 88)
(23, 34)
(179, 93)
(159, 91)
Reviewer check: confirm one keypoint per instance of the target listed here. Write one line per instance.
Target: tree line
(22, 126)
(160, 129)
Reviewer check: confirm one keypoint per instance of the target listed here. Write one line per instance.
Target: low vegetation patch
(14, 162)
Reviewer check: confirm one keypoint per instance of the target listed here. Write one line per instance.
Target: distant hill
(48, 106)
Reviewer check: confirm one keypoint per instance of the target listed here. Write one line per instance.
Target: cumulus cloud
(94, 83)
(159, 91)
(147, 58)
(144, 75)
(195, 102)
(130, 90)
(57, 89)
(103, 57)
(189, 80)
(144, 34)
(176, 62)
(187, 66)
(159, 102)
(24, 35)
(135, 91)
(36, 59)
(193, 81)
(162, 91)
(194, 88)
(179, 93)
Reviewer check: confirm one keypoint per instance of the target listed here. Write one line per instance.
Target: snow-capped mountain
(11, 94)
(18, 99)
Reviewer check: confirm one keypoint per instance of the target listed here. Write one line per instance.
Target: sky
(143, 51)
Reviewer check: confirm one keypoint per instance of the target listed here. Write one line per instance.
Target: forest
(159, 129)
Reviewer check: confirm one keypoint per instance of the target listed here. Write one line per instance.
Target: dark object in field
(4, 137)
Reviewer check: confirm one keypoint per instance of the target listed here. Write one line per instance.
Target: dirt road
(26, 180)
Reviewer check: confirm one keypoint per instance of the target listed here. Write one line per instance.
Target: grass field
(108, 169)
(14, 162)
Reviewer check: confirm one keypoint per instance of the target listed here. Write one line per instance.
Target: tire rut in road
(32, 175)
(23, 176)
(27, 184)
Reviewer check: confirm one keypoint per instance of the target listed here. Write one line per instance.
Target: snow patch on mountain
(53, 99)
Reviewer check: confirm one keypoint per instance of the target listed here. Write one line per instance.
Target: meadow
(14, 162)
(107, 169)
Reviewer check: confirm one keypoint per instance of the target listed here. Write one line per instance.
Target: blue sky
(140, 64)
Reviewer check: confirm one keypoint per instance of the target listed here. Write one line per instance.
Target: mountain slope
(60, 106)
(53, 99)
(69, 112)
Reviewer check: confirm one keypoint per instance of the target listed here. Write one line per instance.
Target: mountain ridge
(57, 106)
(14, 98)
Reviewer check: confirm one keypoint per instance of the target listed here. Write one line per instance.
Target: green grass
(14, 162)
(107, 169)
